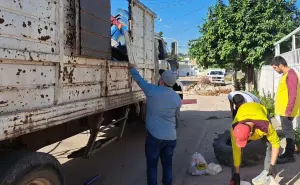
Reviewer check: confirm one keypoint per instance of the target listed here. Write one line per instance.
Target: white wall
(186, 68)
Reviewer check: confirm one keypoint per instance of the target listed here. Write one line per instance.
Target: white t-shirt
(249, 97)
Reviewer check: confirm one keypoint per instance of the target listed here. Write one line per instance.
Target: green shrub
(255, 93)
(269, 103)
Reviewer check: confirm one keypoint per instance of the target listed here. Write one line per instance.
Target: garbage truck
(59, 76)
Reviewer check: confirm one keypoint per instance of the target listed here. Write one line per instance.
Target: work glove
(272, 170)
(236, 179)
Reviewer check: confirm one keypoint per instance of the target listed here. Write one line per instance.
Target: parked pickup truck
(58, 79)
(217, 76)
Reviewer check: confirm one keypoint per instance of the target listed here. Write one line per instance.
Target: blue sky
(177, 19)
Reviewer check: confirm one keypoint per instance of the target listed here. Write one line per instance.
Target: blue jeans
(155, 149)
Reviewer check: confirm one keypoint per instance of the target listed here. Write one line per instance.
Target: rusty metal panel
(118, 92)
(21, 123)
(76, 92)
(117, 79)
(29, 26)
(95, 38)
(33, 57)
(117, 85)
(26, 98)
(149, 75)
(24, 75)
(55, 89)
(26, 86)
(82, 74)
(118, 74)
(84, 61)
(42, 9)
(149, 39)
(138, 34)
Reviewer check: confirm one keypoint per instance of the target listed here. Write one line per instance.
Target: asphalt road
(123, 162)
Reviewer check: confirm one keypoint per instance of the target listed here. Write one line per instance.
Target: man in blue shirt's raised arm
(163, 105)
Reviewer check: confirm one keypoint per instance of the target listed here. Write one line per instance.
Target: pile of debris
(205, 88)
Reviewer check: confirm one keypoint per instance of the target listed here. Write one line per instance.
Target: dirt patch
(205, 88)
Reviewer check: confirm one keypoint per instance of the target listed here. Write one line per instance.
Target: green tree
(161, 34)
(242, 33)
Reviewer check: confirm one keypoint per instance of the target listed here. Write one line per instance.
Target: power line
(173, 4)
(187, 14)
(161, 2)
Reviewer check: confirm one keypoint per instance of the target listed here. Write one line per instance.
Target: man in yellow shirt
(253, 125)
(287, 105)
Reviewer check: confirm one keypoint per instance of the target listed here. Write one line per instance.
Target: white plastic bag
(198, 165)
(263, 179)
(245, 183)
(213, 169)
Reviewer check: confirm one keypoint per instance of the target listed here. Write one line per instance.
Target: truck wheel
(30, 168)
(252, 154)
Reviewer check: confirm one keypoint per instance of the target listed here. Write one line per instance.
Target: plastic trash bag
(264, 179)
(245, 183)
(213, 169)
(198, 165)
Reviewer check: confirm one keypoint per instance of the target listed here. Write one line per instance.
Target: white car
(217, 76)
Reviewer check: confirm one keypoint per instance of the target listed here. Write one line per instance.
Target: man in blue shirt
(163, 105)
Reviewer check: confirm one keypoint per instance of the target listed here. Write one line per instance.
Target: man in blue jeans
(163, 105)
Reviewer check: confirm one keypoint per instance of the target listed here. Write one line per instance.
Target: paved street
(123, 162)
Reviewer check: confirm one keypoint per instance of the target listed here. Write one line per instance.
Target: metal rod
(130, 4)
(112, 123)
(124, 122)
(92, 180)
(77, 25)
(93, 135)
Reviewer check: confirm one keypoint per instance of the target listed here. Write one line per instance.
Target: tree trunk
(249, 77)
(234, 80)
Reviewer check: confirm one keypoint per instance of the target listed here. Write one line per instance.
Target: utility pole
(174, 47)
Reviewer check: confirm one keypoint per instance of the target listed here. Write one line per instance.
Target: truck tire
(252, 154)
(29, 168)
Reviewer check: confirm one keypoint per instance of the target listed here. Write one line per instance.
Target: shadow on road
(290, 173)
(123, 162)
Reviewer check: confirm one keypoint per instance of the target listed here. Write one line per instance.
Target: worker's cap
(169, 78)
(241, 132)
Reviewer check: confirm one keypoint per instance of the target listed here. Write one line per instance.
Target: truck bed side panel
(42, 82)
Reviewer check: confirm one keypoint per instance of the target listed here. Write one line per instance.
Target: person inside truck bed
(251, 123)
(163, 105)
(248, 97)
